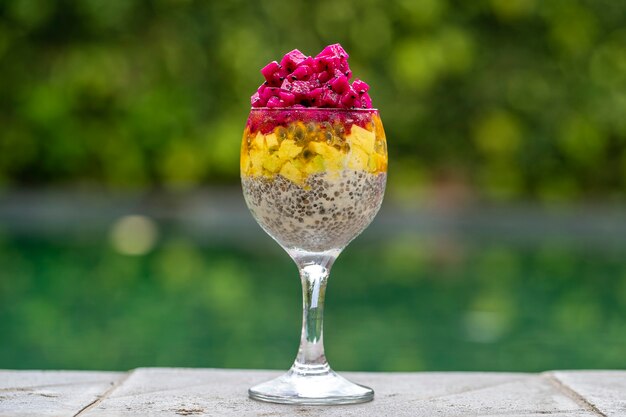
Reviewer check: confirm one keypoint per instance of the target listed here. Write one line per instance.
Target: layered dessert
(313, 155)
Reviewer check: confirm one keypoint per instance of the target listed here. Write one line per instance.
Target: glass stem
(314, 271)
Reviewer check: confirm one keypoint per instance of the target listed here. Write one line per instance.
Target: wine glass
(314, 179)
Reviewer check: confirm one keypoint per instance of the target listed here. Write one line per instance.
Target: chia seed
(329, 223)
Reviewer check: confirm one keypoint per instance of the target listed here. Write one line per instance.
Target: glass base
(323, 387)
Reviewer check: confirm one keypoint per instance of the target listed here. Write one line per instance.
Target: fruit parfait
(313, 170)
(313, 155)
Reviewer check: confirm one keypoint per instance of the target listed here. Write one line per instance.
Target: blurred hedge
(514, 98)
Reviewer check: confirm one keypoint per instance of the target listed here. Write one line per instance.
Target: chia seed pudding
(326, 213)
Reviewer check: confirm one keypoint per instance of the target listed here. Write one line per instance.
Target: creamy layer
(325, 212)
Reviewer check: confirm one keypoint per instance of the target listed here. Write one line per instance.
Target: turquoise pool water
(422, 302)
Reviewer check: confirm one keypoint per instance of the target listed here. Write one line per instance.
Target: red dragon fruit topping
(269, 70)
(303, 81)
(324, 76)
(300, 89)
(349, 96)
(313, 97)
(292, 59)
(331, 99)
(334, 50)
(366, 101)
(269, 92)
(256, 100)
(340, 84)
(274, 102)
(361, 87)
(287, 98)
(301, 73)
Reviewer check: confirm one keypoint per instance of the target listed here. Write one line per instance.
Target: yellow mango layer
(296, 153)
(362, 138)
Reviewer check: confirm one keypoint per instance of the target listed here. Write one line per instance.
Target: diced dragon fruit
(303, 81)
(292, 59)
(308, 62)
(256, 100)
(346, 101)
(313, 97)
(366, 101)
(300, 88)
(329, 63)
(274, 102)
(324, 76)
(301, 73)
(360, 86)
(340, 84)
(348, 97)
(286, 85)
(330, 98)
(269, 70)
(315, 93)
(333, 57)
(269, 92)
(334, 50)
(287, 98)
(314, 82)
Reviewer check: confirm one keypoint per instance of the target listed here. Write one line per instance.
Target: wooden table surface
(218, 392)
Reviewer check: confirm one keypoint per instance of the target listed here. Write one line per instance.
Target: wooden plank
(605, 391)
(51, 393)
(206, 392)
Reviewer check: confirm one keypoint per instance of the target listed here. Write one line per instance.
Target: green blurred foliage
(412, 303)
(516, 98)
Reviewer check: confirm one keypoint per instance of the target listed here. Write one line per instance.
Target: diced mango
(292, 173)
(299, 164)
(259, 141)
(315, 165)
(272, 163)
(288, 150)
(244, 162)
(256, 162)
(272, 141)
(362, 138)
(371, 164)
(379, 162)
(378, 127)
(381, 145)
(321, 148)
(358, 159)
(333, 158)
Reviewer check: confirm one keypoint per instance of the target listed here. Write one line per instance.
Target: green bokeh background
(492, 103)
(518, 99)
